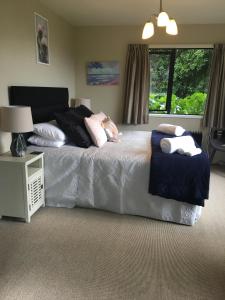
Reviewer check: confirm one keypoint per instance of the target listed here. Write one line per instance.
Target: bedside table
(21, 185)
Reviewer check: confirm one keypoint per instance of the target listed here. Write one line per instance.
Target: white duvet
(114, 178)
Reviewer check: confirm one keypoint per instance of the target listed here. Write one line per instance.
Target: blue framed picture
(103, 73)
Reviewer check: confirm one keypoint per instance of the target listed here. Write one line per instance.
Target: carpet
(89, 254)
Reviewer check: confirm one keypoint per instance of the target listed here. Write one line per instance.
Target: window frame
(156, 49)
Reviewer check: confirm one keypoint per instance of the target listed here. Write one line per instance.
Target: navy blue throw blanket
(176, 176)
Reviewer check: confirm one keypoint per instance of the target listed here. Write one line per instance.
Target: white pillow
(40, 141)
(96, 131)
(49, 131)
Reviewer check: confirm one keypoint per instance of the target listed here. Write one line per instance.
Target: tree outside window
(179, 80)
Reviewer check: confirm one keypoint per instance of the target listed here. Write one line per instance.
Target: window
(179, 80)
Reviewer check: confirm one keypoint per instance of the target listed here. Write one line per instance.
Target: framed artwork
(103, 73)
(41, 36)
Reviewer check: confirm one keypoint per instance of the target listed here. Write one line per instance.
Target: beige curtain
(136, 85)
(215, 104)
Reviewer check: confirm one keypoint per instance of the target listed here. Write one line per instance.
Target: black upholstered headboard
(44, 101)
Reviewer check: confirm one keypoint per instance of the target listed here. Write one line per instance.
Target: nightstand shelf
(32, 171)
(21, 185)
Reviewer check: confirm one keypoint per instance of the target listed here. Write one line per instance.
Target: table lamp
(83, 101)
(17, 120)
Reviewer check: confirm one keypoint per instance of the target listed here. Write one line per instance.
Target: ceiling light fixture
(163, 20)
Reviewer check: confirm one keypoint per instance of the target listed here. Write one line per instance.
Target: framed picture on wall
(42, 39)
(103, 73)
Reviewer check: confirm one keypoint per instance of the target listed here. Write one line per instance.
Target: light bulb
(163, 19)
(171, 28)
(148, 30)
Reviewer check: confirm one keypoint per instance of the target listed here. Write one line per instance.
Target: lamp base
(18, 146)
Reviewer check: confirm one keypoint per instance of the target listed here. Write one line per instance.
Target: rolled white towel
(171, 129)
(192, 152)
(171, 145)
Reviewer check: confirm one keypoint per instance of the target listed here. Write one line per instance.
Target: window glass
(159, 70)
(179, 80)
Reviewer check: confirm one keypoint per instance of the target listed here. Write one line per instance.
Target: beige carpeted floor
(87, 254)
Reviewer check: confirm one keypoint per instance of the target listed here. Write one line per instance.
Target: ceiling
(136, 12)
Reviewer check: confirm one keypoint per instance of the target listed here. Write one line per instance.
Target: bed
(113, 178)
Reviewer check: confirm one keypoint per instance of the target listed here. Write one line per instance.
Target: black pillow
(82, 110)
(73, 126)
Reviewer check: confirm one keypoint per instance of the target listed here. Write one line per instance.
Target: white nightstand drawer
(21, 185)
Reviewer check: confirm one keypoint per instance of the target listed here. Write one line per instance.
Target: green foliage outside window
(190, 105)
(189, 84)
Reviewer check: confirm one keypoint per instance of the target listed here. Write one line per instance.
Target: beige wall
(110, 43)
(18, 54)
(190, 123)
